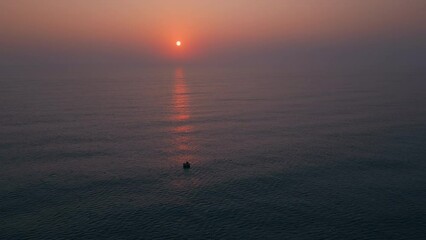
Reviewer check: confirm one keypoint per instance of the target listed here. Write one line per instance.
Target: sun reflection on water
(183, 144)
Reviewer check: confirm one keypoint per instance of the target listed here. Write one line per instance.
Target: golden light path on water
(182, 129)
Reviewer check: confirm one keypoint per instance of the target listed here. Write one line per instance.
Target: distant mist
(323, 34)
(379, 55)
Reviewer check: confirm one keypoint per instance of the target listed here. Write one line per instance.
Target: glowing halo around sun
(178, 43)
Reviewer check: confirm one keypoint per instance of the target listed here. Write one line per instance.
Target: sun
(178, 43)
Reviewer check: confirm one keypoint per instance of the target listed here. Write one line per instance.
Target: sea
(274, 154)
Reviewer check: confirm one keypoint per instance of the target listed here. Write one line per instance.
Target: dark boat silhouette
(186, 165)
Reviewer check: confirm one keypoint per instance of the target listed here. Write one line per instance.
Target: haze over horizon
(267, 32)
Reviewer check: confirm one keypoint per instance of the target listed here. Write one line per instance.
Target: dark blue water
(275, 155)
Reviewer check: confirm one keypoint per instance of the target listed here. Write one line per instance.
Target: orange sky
(205, 27)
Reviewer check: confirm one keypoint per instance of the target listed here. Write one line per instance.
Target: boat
(186, 165)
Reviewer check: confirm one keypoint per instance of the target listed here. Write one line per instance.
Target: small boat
(186, 165)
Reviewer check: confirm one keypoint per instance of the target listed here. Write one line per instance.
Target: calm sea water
(275, 155)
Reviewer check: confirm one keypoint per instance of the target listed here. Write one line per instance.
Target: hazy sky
(209, 29)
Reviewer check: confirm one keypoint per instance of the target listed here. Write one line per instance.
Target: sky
(260, 31)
